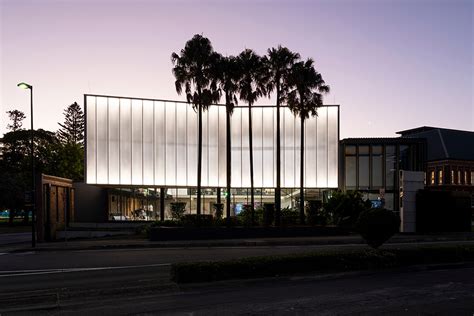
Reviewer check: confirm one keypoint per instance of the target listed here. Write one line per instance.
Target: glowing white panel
(258, 145)
(137, 142)
(154, 143)
(333, 141)
(213, 143)
(160, 142)
(102, 141)
(310, 153)
(170, 149)
(222, 147)
(181, 136)
(269, 139)
(114, 146)
(192, 145)
(236, 145)
(288, 150)
(91, 141)
(148, 143)
(205, 149)
(125, 136)
(245, 157)
(322, 148)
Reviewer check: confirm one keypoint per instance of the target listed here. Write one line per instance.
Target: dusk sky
(391, 65)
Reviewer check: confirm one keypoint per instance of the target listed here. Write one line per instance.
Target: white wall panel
(154, 143)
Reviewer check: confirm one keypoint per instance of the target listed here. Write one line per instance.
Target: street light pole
(32, 157)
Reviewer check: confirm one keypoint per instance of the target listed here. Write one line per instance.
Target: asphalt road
(137, 281)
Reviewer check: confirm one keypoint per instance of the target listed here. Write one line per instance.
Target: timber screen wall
(143, 142)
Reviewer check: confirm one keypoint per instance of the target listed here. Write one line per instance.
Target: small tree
(177, 210)
(343, 208)
(377, 225)
(16, 118)
(72, 130)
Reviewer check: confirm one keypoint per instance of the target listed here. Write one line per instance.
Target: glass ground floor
(146, 204)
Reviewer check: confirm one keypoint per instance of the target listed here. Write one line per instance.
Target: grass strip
(321, 261)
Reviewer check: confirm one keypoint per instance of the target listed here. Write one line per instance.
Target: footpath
(136, 241)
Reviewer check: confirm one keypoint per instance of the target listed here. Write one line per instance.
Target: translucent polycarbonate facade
(135, 142)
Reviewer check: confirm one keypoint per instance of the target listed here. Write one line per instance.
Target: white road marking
(13, 273)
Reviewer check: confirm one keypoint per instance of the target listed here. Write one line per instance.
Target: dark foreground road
(127, 282)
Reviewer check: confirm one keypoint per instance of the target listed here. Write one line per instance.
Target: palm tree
(192, 70)
(304, 98)
(251, 87)
(279, 62)
(226, 78)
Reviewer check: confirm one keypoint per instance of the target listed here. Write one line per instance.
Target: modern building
(143, 154)
(449, 160)
(372, 166)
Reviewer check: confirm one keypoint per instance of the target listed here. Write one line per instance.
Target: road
(136, 281)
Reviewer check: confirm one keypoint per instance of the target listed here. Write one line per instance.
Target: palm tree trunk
(302, 173)
(252, 196)
(278, 163)
(228, 164)
(198, 200)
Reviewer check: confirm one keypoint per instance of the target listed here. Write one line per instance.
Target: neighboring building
(372, 165)
(139, 149)
(450, 158)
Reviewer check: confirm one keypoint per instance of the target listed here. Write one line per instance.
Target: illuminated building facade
(144, 145)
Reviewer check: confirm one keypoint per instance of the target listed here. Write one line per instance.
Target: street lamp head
(24, 85)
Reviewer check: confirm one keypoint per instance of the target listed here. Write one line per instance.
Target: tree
(304, 98)
(227, 75)
(17, 118)
(72, 130)
(251, 87)
(279, 62)
(343, 208)
(192, 70)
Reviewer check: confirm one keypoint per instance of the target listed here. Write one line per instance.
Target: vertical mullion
(108, 143)
(154, 147)
(119, 141)
(96, 139)
(143, 151)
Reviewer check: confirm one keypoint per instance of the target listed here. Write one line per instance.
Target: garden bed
(203, 233)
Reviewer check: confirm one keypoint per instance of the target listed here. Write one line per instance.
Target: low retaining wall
(202, 233)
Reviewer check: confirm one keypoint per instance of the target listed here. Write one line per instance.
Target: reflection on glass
(390, 166)
(350, 172)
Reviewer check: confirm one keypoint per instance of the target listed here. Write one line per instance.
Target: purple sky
(391, 65)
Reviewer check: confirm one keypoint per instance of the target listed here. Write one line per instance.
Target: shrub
(377, 225)
(178, 209)
(219, 209)
(268, 214)
(289, 216)
(195, 220)
(314, 214)
(343, 208)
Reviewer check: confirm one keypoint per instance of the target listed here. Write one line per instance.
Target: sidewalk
(141, 242)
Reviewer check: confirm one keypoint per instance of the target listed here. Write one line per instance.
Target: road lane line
(13, 273)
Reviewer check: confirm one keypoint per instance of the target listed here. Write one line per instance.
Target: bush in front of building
(289, 216)
(314, 214)
(177, 210)
(377, 225)
(195, 220)
(218, 210)
(343, 208)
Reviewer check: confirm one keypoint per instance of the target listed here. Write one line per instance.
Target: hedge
(323, 261)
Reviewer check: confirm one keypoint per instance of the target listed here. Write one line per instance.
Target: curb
(235, 243)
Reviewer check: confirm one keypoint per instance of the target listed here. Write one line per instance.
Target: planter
(203, 233)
